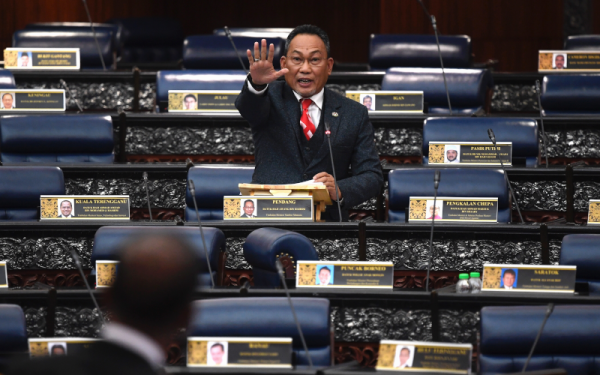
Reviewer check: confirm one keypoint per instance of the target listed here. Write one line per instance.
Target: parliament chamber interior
(431, 169)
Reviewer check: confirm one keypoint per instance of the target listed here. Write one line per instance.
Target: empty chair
(75, 26)
(7, 80)
(569, 339)
(470, 89)
(454, 182)
(583, 251)
(583, 43)
(268, 317)
(522, 132)
(257, 32)
(212, 184)
(13, 335)
(56, 138)
(571, 94)
(418, 51)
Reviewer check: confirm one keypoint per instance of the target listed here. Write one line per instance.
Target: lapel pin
(334, 114)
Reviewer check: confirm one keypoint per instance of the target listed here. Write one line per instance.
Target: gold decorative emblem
(436, 153)
(107, 273)
(38, 349)
(334, 114)
(594, 212)
(491, 277)
(417, 209)
(49, 208)
(10, 58)
(545, 61)
(307, 274)
(197, 352)
(175, 101)
(231, 208)
(355, 97)
(386, 355)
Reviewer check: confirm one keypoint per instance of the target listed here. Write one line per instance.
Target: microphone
(87, 285)
(287, 293)
(337, 196)
(548, 312)
(544, 138)
(94, 33)
(436, 183)
(145, 176)
(193, 191)
(435, 30)
(64, 84)
(512, 193)
(228, 33)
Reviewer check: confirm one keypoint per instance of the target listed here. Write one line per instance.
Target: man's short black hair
(189, 96)
(326, 269)
(249, 200)
(510, 272)
(218, 344)
(367, 97)
(68, 201)
(7, 93)
(311, 30)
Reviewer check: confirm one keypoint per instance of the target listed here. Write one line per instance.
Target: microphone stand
(87, 285)
(548, 312)
(94, 33)
(544, 138)
(228, 33)
(193, 192)
(335, 185)
(64, 84)
(145, 176)
(436, 183)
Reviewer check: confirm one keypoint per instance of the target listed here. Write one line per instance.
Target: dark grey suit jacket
(274, 118)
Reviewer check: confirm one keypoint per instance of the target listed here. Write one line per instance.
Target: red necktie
(307, 125)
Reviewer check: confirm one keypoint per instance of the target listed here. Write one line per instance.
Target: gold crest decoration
(231, 208)
(594, 213)
(197, 352)
(175, 101)
(545, 61)
(107, 273)
(355, 97)
(307, 274)
(418, 209)
(38, 349)
(491, 277)
(10, 58)
(49, 208)
(386, 355)
(436, 153)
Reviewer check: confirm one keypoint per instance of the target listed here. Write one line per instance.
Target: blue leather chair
(21, 187)
(108, 240)
(582, 250)
(571, 94)
(212, 184)
(454, 182)
(418, 51)
(216, 52)
(195, 80)
(60, 138)
(75, 26)
(583, 43)
(569, 339)
(13, 334)
(268, 317)
(82, 39)
(470, 89)
(7, 81)
(522, 132)
(265, 245)
(257, 32)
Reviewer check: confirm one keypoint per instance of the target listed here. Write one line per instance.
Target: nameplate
(41, 58)
(419, 356)
(84, 207)
(203, 101)
(594, 212)
(106, 273)
(239, 352)
(31, 100)
(336, 274)
(470, 153)
(272, 208)
(3, 275)
(568, 61)
(453, 209)
(389, 102)
(56, 347)
(528, 278)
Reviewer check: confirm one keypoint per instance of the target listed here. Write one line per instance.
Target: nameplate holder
(42, 58)
(453, 210)
(528, 278)
(344, 275)
(420, 356)
(389, 102)
(3, 275)
(203, 101)
(106, 273)
(271, 208)
(568, 61)
(470, 153)
(239, 352)
(594, 212)
(84, 207)
(57, 347)
(32, 100)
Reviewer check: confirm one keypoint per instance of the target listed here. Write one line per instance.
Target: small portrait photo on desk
(368, 100)
(217, 353)
(66, 209)
(436, 210)
(57, 349)
(190, 102)
(508, 279)
(7, 100)
(248, 208)
(324, 275)
(452, 154)
(25, 59)
(404, 356)
(559, 61)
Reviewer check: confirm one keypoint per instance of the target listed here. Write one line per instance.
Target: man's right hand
(261, 66)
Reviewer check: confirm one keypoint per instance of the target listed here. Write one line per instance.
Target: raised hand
(261, 66)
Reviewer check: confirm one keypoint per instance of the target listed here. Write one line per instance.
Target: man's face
(508, 279)
(217, 354)
(65, 208)
(58, 350)
(451, 155)
(433, 210)
(308, 64)
(367, 102)
(324, 276)
(7, 101)
(404, 356)
(190, 103)
(559, 62)
(249, 208)
(24, 60)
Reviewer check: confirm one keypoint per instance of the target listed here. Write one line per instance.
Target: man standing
(288, 122)
(248, 209)
(7, 101)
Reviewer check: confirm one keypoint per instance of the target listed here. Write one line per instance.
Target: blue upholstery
(257, 32)
(56, 138)
(109, 239)
(583, 251)
(7, 81)
(418, 51)
(82, 39)
(583, 43)
(571, 94)
(569, 339)
(212, 184)
(216, 52)
(264, 245)
(522, 132)
(21, 187)
(468, 87)
(195, 80)
(13, 333)
(268, 317)
(74, 26)
(454, 182)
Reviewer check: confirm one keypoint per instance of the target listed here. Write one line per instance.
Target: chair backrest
(268, 317)
(569, 339)
(454, 182)
(7, 80)
(216, 51)
(21, 187)
(13, 334)
(522, 132)
(56, 138)
(468, 88)
(257, 32)
(583, 251)
(195, 80)
(571, 94)
(212, 184)
(583, 43)
(82, 39)
(75, 26)
(418, 51)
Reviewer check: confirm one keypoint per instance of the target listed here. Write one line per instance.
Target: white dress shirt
(135, 341)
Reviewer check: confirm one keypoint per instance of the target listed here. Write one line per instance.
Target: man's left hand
(328, 181)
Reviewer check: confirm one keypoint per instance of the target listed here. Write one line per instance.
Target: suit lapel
(331, 105)
(292, 108)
